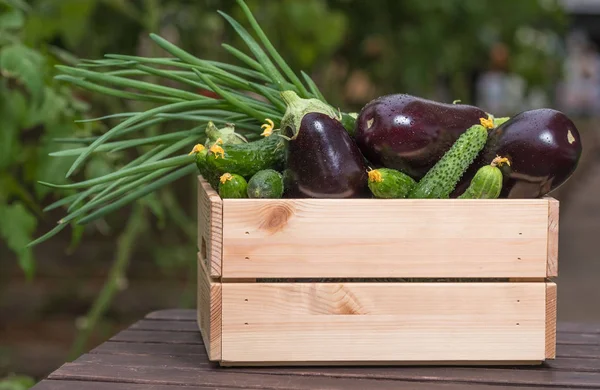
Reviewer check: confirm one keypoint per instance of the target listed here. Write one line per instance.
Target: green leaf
(21, 4)
(17, 228)
(12, 20)
(17, 382)
(26, 65)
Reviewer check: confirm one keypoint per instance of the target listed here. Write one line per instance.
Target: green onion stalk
(248, 95)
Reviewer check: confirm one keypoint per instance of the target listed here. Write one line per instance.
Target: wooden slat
(173, 315)
(158, 337)
(190, 315)
(168, 325)
(553, 229)
(340, 378)
(580, 338)
(196, 361)
(209, 311)
(578, 327)
(385, 238)
(318, 322)
(578, 351)
(93, 385)
(210, 227)
(550, 320)
(171, 361)
(140, 348)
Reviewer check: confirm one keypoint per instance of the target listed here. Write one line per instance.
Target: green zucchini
(442, 178)
(232, 186)
(265, 184)
(248, 158)
(487, 182)
(389, 183)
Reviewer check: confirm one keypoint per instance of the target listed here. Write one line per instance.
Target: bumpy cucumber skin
(212, 177)
(248, 158)
(486, 184)
(236, 187)
(441, 179)
(266, 184)
(393, 184)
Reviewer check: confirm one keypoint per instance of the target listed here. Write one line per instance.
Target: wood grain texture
(385, 238)
(553, 229)
(172, 314)
(154, 349)
(551, 320)
(93, 385)
(383, 322)
(210, 227)
(209, 311)
(331, 377)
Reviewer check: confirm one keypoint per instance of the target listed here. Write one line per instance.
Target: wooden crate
(376, 281)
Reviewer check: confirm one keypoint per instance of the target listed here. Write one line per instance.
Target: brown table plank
(191, 377)
(165, 350)
(173, 314)
(133, 348)
(91, 385)
(165, 337)
(575, 327)
(482, 375)
(170, 325)
(583, 351)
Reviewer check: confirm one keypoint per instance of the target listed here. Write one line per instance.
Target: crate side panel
(385, 238)
(209, 312)
(553, 228)
(210, 227)
(312, 322)
(551, 314)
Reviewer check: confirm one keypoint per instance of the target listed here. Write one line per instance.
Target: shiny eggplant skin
(323, 161)
(411, 134)
(543, 147)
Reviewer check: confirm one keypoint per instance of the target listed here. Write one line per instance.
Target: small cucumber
(211, 177)
(389, 183)
(441, 179)
(267, 183)
(232, 186)
(487, 182)
(247, 158)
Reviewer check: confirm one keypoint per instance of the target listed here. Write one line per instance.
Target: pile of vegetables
(259, 130)
(400, 146)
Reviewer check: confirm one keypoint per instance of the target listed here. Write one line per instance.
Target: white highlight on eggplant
(570, 137)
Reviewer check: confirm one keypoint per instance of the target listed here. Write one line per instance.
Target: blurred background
(79, 288)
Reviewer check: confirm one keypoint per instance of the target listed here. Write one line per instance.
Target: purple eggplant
(323, 161)
(543, 147)
(411, 134)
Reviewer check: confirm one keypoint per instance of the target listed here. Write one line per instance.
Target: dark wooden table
(164, 351)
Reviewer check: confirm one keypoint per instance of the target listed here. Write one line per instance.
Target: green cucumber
(248, 158)
(487, 182)
(211, 177)
(442, 178)
(227, 134)
(232, 186)
(265, 184)
(389, 183)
